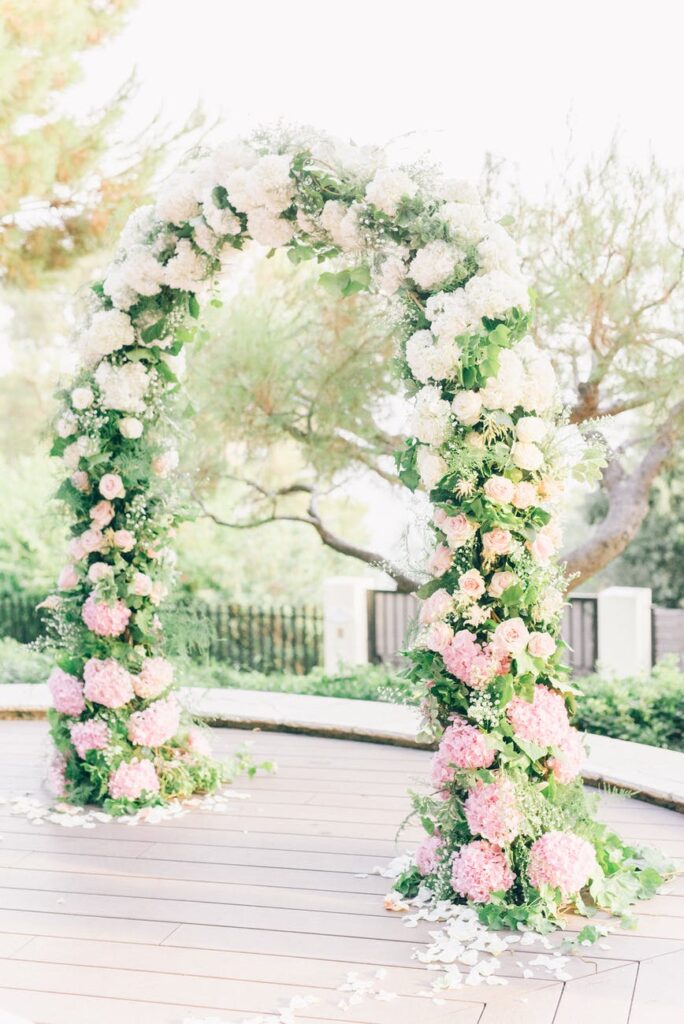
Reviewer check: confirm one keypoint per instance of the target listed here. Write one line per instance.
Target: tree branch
(627, 504)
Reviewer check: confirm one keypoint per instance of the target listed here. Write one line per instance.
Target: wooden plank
(658, 991)
(603, 999)
(536, 1008)
(83, 926)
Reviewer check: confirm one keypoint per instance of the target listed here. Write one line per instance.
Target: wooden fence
(667, 626)
(392, 618)
(283, 639)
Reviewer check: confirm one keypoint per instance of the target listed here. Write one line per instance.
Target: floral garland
(508, 827)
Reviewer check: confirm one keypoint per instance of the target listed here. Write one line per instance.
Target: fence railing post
(624, 631)
(345, 622)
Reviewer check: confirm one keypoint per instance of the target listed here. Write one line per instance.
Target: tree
(295, 393)
(65, 188)
(605, 250)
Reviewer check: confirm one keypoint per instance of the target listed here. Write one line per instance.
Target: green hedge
(646, 709)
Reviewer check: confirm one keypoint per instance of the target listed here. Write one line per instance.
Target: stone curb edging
(651, 773)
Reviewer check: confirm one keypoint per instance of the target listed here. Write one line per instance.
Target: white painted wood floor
(231, 915)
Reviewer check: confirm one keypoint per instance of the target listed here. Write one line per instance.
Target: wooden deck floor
(224, 917)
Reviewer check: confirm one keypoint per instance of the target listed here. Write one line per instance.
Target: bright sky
(459, 78)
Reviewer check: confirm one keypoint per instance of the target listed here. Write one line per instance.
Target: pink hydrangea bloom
(427, 854)
(438, 636)
(474, 664)
(107, 682)
(480, 869)
(544, 721)
(562, 860)
(156, 724)
(66, 692)
(56, 778)
(105, 619)
(491, 810)
(90, 735)
(568, 761)
(436, 607)
(461, 746)
(133, 778)
(197, 742)
(156, 675)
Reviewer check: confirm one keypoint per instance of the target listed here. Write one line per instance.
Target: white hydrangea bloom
(116, 286)
(431, 416)
(139, 271)
(466, 221)
(268, 229)
(504, 390)
(203, 235)
(221, 221)
(434, 264)
(539, 392)
(390, 275)
(109, 330)
(431, 467)
(227, 158)
(431, 359)
(498, 251)
(186, 270)
(458, 190)
(140, 225)
(82, 447)
(270, 183)
(306, 224)
(122, 388)
(176, 202)
(450, 314)
(495, 294)
(351, 161)
(341, 223)
(388, 188)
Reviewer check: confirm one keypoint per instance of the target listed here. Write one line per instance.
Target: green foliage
(20, 663)
(643, 709)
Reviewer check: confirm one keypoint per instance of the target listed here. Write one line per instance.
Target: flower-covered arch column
(506, 820)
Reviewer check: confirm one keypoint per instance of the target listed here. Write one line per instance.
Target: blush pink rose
(80, 481)
(438, 637)
(92, 540)
(102, 514)
(546, 543)
(68, 578)
(500, 582)
(511, 636)
(436, 607)
(440, 560)
(76, 549)
(497, 542)
(124, 540)
(541, 645)
(111, 486)
(471, 584)
(165, 463)
(525, 495)
(141, 585)
(458, 529)
(98, 570)
(499, 489)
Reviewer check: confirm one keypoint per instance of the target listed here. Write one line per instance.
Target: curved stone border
(651, 773)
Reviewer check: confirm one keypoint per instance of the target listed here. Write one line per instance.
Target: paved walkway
(656, 774)
(270, 902)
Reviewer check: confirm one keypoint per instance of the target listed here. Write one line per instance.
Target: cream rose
(527, 456)
(530, 429)
(130, 427)
(525, 495)
(82, 398)
(439, 561)
(467, 406)
(458, 529)
(111, 486)
(431, 467)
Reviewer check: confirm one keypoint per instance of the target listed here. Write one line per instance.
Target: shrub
(645, 709)
(19, 663)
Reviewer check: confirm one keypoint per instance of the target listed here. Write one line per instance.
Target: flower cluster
(462, 746)
(480, 869)
(491, 810)
(562, 860)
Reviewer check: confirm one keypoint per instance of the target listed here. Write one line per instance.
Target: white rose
(467, 405)
(530, 429)
(431, 467)
(82, 398)
(131, 427)
(527, 456)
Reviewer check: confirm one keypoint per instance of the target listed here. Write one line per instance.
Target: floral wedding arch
(507, 823)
